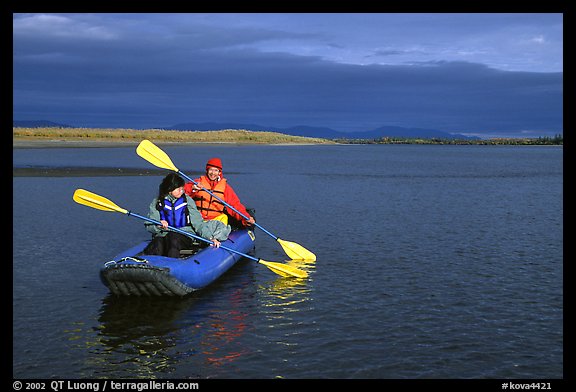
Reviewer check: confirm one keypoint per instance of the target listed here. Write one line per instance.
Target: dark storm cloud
(136, 77)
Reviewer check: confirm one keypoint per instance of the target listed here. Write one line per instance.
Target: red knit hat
(214, 162)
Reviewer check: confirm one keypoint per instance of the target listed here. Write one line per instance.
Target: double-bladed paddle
(153, 154)
(93, 200)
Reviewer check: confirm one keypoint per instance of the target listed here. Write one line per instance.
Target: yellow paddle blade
(93, 200)
(284, 270)
(295, 251)
(153, 154)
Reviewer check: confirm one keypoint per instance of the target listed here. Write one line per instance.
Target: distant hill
(327, 133)
(38, 124)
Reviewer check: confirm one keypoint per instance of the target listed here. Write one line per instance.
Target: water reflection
(207, 334)
(283, 297)
(287, 308)
(287, 291)
(219, 341)
(138, 334)
(159, 337)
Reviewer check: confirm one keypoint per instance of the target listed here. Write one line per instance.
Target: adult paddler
(210, 207)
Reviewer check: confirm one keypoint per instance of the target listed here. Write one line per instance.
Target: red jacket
(209, 206)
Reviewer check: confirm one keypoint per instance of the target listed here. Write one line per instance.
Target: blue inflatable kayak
(133, 273)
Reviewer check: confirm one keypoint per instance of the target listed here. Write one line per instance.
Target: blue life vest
(176, 214)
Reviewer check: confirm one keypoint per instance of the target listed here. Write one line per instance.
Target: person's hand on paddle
(164, 224)
(215, 243)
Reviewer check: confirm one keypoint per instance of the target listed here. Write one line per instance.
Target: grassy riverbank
(96, 137)
(103, 135)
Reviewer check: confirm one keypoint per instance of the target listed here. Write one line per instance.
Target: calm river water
(433, 262)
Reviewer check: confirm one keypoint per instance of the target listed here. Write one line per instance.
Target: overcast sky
(486, 74)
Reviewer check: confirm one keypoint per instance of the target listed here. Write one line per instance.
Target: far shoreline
(91, 143)
(62, 143)
(46, 138)
(103, 137)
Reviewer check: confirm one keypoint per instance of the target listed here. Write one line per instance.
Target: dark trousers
(169, 245)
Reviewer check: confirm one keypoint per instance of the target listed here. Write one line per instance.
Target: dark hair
(168, 184)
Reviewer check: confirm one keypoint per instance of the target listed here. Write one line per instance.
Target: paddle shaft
(227, 205)
(190, 235)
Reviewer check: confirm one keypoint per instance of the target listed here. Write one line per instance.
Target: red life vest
(208, 205)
